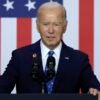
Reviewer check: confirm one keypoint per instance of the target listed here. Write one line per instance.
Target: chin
(52, 46)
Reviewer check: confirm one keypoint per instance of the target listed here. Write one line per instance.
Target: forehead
(50, 7)
(51, 12)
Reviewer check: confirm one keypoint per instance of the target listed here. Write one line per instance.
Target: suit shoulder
(28, 48)
(77, 56)
(79, 52)
(75, 52)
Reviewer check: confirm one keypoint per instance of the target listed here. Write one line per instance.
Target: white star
(30, 5)
(8, 5)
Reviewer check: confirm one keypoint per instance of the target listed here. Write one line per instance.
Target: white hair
(51, 5)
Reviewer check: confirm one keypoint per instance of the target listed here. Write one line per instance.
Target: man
(27, 66)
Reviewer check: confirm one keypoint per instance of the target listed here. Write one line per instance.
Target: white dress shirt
(44, 52)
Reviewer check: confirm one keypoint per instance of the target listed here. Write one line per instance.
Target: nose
(51, 29)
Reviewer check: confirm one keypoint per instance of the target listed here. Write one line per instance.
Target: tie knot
(50, 53)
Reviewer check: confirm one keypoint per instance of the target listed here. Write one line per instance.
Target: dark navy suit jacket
(74, 72)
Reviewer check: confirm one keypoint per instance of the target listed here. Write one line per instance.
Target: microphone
(37, 75)
(36, 72)
(50, 68)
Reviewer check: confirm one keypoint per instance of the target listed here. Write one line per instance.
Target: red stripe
(24, 32)
(0, 46)
(86, 27)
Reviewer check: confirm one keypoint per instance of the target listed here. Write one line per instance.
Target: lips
(50, 36)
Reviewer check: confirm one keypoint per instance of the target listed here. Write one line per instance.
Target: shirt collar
(45, 49)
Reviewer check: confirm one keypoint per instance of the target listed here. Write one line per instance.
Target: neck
(52, 47)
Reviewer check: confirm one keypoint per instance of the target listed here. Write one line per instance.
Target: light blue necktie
(50, 82)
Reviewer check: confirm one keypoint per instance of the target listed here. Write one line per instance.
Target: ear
(37, 24)
(65, 26)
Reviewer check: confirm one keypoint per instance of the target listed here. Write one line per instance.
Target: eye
(57, 24)
(45, 24)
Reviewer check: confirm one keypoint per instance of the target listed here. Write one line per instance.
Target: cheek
(40, 28)
(43, 30)
(43, 34)
(59, 33)
(59, 30)
(58, 37)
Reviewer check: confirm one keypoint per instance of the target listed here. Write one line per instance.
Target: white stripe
(35, 33)
(97, 38)
(71, 37)
(8, 40)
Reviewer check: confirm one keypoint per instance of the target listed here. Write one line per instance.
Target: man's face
(51, 27)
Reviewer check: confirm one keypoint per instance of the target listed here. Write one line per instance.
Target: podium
(47, 97)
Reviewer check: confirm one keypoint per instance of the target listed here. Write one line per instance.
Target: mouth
(50, 37)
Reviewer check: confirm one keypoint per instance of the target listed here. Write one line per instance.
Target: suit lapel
(64, 61)
(36, 50)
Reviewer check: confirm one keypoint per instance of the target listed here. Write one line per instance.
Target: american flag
(18, 27)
